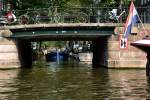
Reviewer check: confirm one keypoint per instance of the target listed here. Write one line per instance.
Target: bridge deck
(61, 25)
(61, 30)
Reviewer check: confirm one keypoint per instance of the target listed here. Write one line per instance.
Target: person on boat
(148, 64)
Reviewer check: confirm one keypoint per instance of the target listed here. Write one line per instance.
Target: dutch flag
(131, 20)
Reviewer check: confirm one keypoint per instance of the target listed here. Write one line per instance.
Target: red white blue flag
(131, 20)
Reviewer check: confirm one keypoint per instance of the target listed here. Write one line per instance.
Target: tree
(24, 4)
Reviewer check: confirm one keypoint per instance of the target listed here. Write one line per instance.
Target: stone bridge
(15, 43)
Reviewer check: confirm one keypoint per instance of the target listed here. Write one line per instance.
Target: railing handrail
(71, 15)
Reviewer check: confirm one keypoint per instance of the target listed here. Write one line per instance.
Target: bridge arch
(99, 34)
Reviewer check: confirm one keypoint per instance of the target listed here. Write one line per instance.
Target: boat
(85, 56)
(144, 45)
(56, 56)
(84, 52)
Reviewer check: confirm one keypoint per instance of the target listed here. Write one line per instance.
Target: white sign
(123, 43)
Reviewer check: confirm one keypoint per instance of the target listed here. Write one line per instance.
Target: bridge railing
(71, 15)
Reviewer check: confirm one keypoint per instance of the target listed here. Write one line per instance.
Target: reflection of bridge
(15, 43)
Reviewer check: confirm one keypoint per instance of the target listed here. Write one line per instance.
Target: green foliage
(58, 44)
(24, 4)
(115, 3)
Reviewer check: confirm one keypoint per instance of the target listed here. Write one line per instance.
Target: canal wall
(14, 53)
(129, 57)
(9, 57)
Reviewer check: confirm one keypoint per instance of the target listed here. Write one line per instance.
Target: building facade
(144, 10)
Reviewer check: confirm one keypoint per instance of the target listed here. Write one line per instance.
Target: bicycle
(113, 15)
(51, 15)
(48, 15)
(55, 15)
(28, 17)
(75, 16)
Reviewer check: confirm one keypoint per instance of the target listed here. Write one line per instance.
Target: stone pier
(130, 57)
(9, 57)
(14, 53)
(107, 51)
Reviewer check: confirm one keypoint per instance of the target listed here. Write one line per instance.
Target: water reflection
(8, 82)
(73, 81)
(129, 84)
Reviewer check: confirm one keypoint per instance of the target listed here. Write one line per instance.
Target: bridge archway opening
(98, 48)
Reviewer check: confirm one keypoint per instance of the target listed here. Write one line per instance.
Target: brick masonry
(9, 57)
(130, 57)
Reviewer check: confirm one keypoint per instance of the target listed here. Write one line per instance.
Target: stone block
(9, 57)
(9, 64)
(113, 46)
(126, 63)
(113, 55)
(5, 33)
(8, 48)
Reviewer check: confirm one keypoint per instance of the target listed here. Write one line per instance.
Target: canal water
(73, 81)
